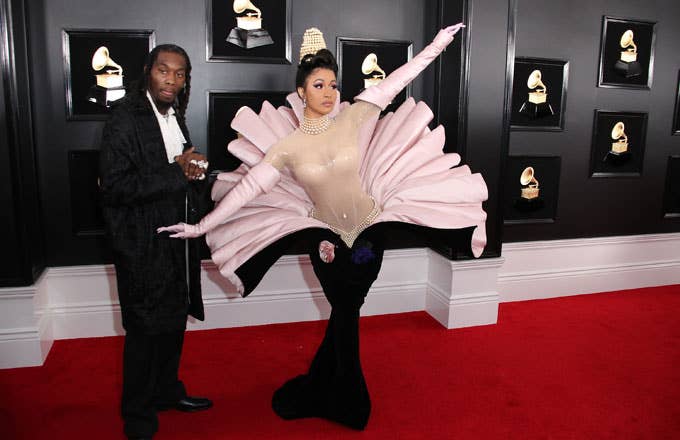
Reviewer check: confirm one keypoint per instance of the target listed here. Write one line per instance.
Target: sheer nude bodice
(327, 166)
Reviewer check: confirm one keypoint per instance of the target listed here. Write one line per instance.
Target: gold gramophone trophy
(537, 105)
(109, 87)
(620, 146)
(530, 199)
(368, 67)
(248, 32)
(529, 183)
(627, 64)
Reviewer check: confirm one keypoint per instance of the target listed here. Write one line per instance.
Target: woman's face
(320, 92)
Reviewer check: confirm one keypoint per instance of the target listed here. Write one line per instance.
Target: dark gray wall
(182, 22)
(23, 257)
(570, 30)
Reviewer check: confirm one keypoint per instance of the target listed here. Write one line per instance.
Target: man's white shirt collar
(173, 138)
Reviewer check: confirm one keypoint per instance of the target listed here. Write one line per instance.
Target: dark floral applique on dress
(362, 252)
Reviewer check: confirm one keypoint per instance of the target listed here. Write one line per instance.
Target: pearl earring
(304, 102)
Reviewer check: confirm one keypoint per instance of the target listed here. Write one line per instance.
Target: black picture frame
(276, 23)
(615, 73)
(542, 209)
(671, 196)
(604, 162)
(452, 77)
(350, 55)
(222, 107)
(127, 47)
(548, 116)
(86, 213)
(675, 130)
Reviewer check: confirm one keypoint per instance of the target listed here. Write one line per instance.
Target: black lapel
(149, 133)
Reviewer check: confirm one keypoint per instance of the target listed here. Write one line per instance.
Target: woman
(337, 169)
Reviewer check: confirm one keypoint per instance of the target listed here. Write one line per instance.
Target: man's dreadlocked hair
(183, 96)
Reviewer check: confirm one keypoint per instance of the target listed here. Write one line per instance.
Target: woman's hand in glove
(181, 230)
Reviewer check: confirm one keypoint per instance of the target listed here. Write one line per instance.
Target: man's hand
(193, 164)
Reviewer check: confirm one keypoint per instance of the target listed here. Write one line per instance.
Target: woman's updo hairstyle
(323, 59)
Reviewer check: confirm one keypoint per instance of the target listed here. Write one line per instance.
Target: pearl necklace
(315, 125)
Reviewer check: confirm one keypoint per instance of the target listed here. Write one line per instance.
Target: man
(150, 177)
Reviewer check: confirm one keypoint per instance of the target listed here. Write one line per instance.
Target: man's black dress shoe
(188, 404)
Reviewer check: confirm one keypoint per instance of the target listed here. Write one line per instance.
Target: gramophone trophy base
(536, 111)
(249, 39)
(103, 96)
(619, 147)
(628, 70)
(529, 205)
(248, 23)
(616, 159)
(109, 80)
(628, 57)
(530, 193)
(368, 82)
(537, 97)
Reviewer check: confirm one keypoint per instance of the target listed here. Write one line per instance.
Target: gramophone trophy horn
(628, 55)
(539, 94)
(101, 59)
(618, 132)
(248, 32)
(527, 179)
(369, 66)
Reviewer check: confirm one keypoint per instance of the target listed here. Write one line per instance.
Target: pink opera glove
(326, 251)
(386, 90)
(445, 36)
(260, 179)
(182, 230)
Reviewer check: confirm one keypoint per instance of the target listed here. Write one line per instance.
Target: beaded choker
(315, 125)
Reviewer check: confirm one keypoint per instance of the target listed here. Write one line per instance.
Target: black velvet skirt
(334, 387)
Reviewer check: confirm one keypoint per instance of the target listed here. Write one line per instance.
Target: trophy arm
(378, 69)
(118, 67)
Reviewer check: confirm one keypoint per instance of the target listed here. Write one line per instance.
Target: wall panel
(617, 205)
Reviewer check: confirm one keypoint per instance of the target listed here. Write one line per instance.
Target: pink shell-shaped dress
(402, 167)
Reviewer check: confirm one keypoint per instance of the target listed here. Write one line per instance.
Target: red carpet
(604, 366)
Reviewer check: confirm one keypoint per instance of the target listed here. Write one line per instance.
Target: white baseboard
(288, 293)
(463, 293)
(548, 269)
(77, 302)
(25, 331)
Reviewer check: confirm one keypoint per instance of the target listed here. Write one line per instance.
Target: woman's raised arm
(384, 92)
